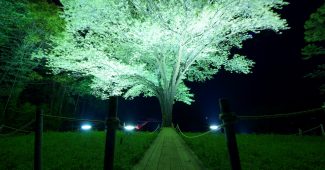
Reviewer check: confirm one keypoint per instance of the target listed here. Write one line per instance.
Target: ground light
(214, 127)
(86, 127)
(129, 127)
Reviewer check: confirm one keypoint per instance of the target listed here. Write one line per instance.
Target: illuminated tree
(134, 47)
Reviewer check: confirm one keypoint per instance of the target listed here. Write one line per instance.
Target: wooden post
(112, 123)
(38, 139)
(228, 119)
(300, 132)
(322, 129)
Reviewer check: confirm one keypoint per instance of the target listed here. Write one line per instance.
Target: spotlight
(86, 127)
(129, 127)
(214, 127)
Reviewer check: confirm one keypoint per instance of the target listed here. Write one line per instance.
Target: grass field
(73, 150)
(262, 152)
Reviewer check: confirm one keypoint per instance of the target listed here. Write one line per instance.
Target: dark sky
(277, 84)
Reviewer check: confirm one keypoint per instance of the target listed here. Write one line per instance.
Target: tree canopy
(134, 47)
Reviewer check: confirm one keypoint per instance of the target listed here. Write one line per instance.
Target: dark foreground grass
(262, 152)
(73, 150)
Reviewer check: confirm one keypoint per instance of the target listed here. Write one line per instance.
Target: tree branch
(146, 82)
(176, 68)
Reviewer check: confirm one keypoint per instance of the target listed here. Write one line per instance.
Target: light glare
(129, 127)
(86, 127)
(214, 127)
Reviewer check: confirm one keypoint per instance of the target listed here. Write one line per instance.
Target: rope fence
(257, 117)
(19, 129)
(23, 128)
(301, 132)
(157, 128)
(73, 119)
(112, 124)
(309, 130)
(191, 137)
(277, 115)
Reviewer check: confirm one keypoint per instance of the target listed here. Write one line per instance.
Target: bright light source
(214, 127)
(129, 127)
(86, 127)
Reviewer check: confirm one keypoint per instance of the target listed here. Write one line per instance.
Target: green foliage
(134, 47)
(75, 85)
(311, 50)
(314, 26)
(315, 37)
(262, 151)
(315, 34)
(27, 27)
(20, 115)
(72, 150)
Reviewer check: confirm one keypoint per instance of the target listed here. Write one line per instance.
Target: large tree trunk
(166, 105)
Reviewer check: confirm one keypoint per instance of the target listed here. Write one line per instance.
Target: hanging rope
(305, 131)
(158, 127)
(311, 129)
(191, 137)
(27, 124)
(73, 119)
(20, 129)
(278, 115)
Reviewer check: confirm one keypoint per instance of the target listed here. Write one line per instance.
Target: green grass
(259, 152)
(73, 150)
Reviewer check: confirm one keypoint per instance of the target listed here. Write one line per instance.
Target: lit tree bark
(166, 102)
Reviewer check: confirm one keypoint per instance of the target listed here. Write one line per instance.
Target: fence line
(158, 127)
(308, 130)
(73, 119)
(256, 117)
(20, 129)
(311, 129)
(27, 124)
(191, 137)
(278, 115)
(9, 127)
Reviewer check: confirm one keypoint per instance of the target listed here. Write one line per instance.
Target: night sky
(277, 85)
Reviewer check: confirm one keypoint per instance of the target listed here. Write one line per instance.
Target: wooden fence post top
(224, 106)
(225, 112)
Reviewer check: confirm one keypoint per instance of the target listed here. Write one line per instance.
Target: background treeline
(26, 27)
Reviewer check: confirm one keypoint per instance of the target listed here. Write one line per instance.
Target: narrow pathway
(169, 152)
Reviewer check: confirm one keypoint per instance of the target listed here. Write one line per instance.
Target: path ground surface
(169, 152)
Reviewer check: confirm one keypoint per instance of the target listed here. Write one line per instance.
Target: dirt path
(169, 152)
